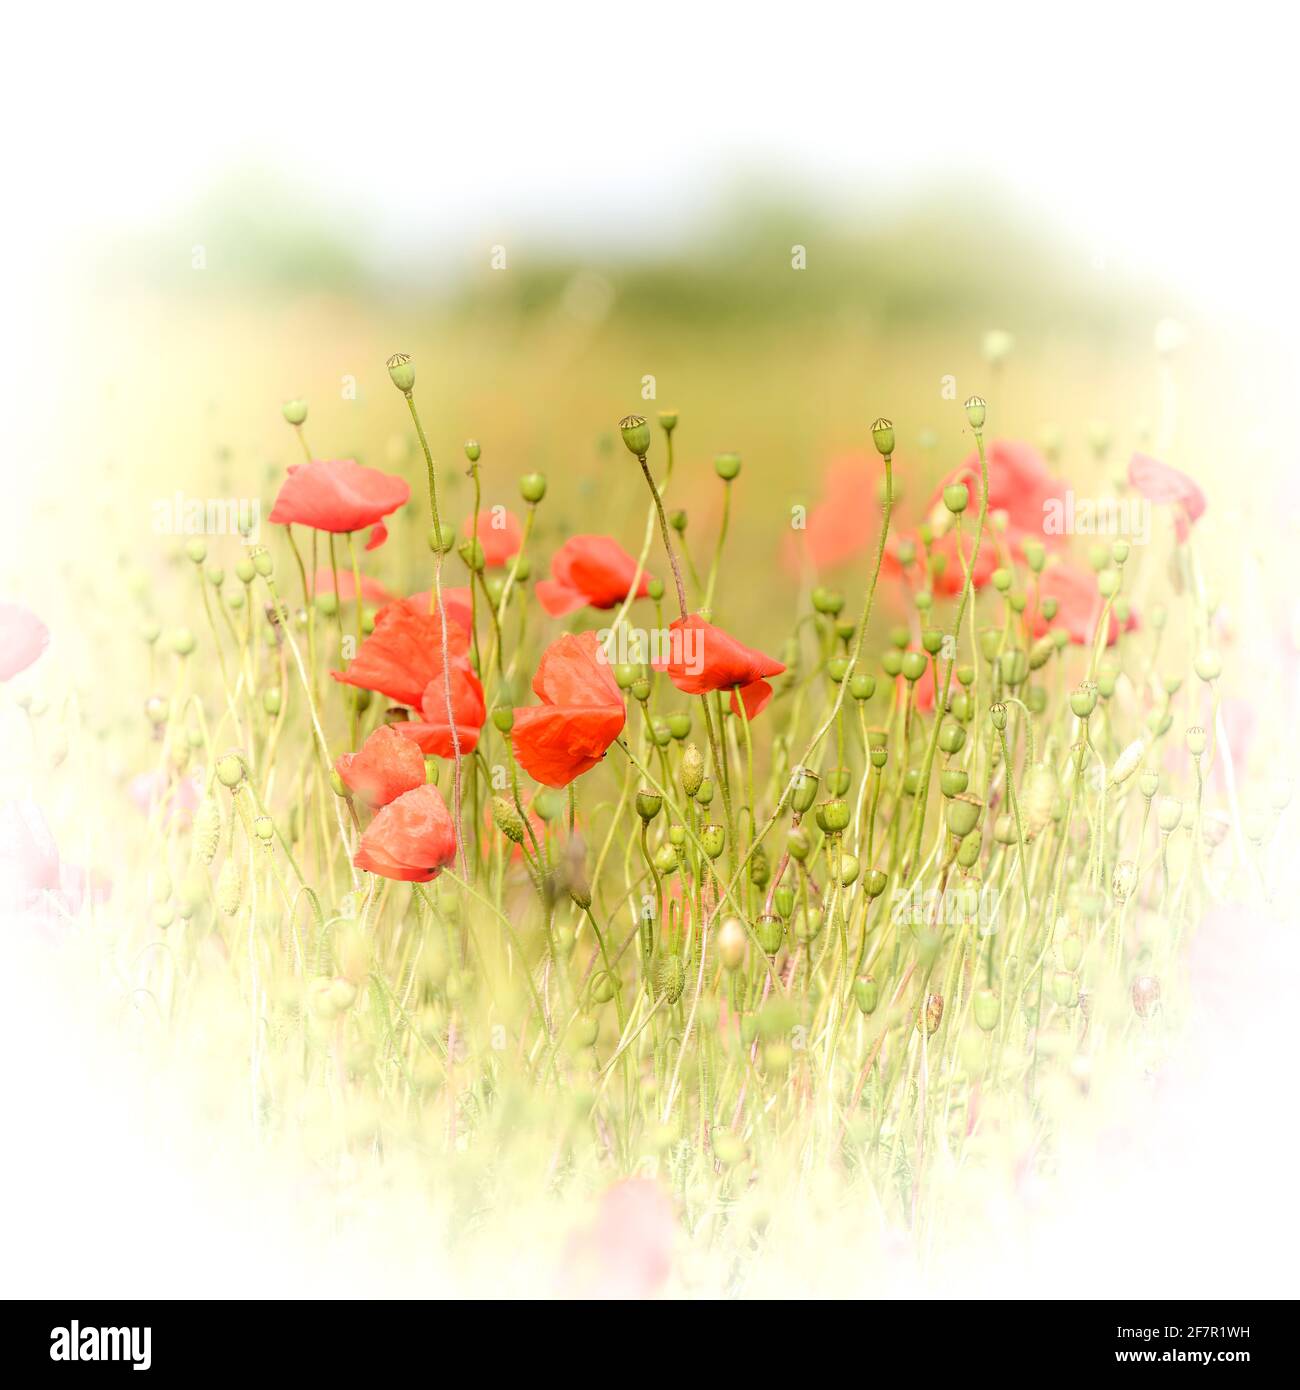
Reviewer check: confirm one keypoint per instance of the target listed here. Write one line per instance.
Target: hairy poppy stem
(663, 530)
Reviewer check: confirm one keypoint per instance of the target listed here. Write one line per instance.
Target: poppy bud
(976, 407)
(1013, 667)
(952, 737)
(963, 815)
(705, 794)
(182, 641)
(583, 1032)
(230, 770)
(956, 497)
(968, 852)
(731, 943)
(912, 666)
(849, 869)
(648, 804)
(1065, 989)
(798, 844)
(471, 551)
(508, 820)
(892, 663)
(882, 435)
(1196, 740)
(402, 372)
(692, 770)
(986, 1009)
(1207, 665)
(677, 520)
(665, 859)
(837, 668)
(668, 421)
(636, 434)
(230, 888)
(783, 901)
(1004, 829)
(503, 719)
(805, 790)
(441, 539)
(833, 816)
(207, 830)
(295, 411)
(473, 450)
(837, 780)
(862, 687)
(532, 487)
(727, 466)
(641, 688)
(875, 883)
(713, 837)
(1149, 782)
(1146, 995)
(932, 1014)
(1083, 699)
(867, 993)
(953, 780)
(654, 589)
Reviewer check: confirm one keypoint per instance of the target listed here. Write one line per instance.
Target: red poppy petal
(337, 495)
(756, 696)
(411, 839)
(378, 535)
(557, 599)
(555, 744)
(386, 766)
(23, 637)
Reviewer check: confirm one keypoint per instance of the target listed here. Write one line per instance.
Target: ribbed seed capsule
(986, 1010)
(508, 820)
(207, 830)
(230, 888)
(867, 993)
(670, 978)
(692, 769)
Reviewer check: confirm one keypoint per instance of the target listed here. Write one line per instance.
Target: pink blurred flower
(627, 1250)
(147, 789)
(23, 637)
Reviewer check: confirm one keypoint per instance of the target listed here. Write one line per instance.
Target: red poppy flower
(1078, 604)
(627, 1251)
(23, 637)
(949, 577)
(337, 495)
(581, 712)
(411, 839)
(456, 601)
(845, 523)
(703, 657)
(386, 766)
(1157, 482)
(402, 658)
(589, 570)
(500, 533)
(372, 591)
(1019, 485)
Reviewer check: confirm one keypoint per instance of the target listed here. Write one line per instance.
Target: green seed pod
(692, 770)
(956, 497)
(805, 790)
(704, 796)
(951, 738)
(503, 719)
(1001, 579)
(327, 603)
(968, 852)
(998, 716)
(962, 815)
(668, 421)
(838, 780)
(867, 993)
(862, 686)
(976, 409)
(295, 412)
(1071, 950)
(583, 1032)
(931, 1015)
(882, 436)
(837, 668)
(182, 641)
(1004, 829)
(770, 931)
(798, 843)
(679, 725)
(849, 869)
(986, 1009)
(402, 372)
(879, 757)
(876, 882)
(678, 521)
(714, 838)
(1083, 699)
(641, 689)
(913, 666)
(676, 835)
(727, 466)
(648, 804)
(833, 816)
(760, 870)
(506, 817)
(1196, 740)
(1013, 667)
(196, 550)
(1207, 665)
(230, 888)
(230, 770)
(264, 829)
(990, 640)
(654, 589)
(271, 701)
(783, 901)
(532, 488)
(603, 988)
(953, 781)
(892, 663)
(1169, 813)
(473, 450)
(912, 781)
(636, 435)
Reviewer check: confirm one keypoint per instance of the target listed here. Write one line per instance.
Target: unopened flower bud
(295, 411)
(727, 466)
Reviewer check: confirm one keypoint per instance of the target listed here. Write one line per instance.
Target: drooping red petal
(573, 671)
(433, 731)
(556, 743)
(456, 601)
(1020, 484)
(411, 839)
(386, 766)
(1160, 483)
(372, 591)
(596, 569)
(337, 495)
(756, 696)
(1078, 604)
(378, 535)
(703, 657)
(403, 653)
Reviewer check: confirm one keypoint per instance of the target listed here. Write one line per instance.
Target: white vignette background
(1154, 136)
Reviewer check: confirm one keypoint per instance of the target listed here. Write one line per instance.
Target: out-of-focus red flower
(948, 578)
(500, 533)
(402, 658)
(627, 1250)
(1019, 485)
(1160, 483)
(372, 591)
(455, 601)
(148, 789)
(845, 523)
(581, 712)
(34, 879)
(386, 766)
(378, 535)
(702, 657)
(1078, 604)
(590, 571)
(411, 839)
(23, 637)
(337, 495)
